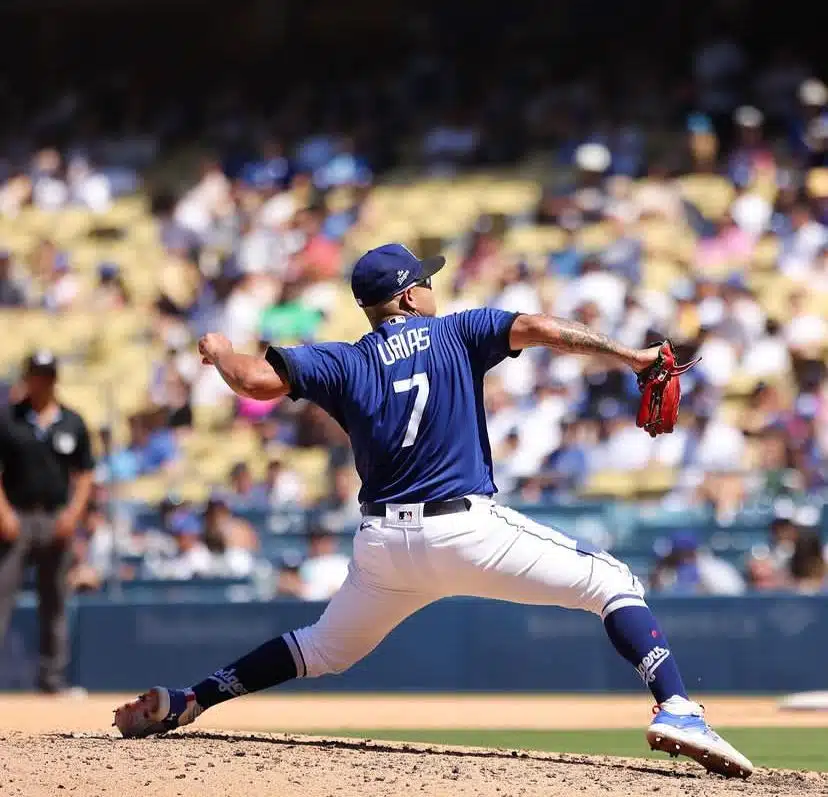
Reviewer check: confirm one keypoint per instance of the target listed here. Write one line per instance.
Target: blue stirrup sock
(268, 665)
(636, 635)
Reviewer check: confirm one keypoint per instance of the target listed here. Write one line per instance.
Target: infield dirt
(52, 747)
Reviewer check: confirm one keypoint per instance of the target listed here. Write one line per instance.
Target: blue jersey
(410, 397)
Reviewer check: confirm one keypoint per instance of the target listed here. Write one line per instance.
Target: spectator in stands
(783, 535)
(291, 318)
(111, 292)
(767, 355)
(243, 490)
(761, 575)
(344, 168)
(206, 202)
(156, 538)
(15, 193)
(750, 161)
(177, 411)
(450, 143)
(484, 259)
(808, 566)
(805, 331)
(288, 580)
(623, 255)
(88, 187)
(687, 569)
(231, 541)
(728, 247)
(515, 291)
(282, 486)
(763, 409)
(152, 447)
(11, 292)
(324, 568)
(187, 557)
(49, 189)
(658, 196)
(340, 508)
(809, 128)
(564, 471)
(98, 546)
(62, 288)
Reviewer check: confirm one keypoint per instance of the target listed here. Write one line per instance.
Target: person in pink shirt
(730, 246)
(254, 410)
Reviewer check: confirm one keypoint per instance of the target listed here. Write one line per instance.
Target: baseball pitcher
(410, 396)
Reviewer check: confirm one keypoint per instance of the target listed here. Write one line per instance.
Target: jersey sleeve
(486, 334)
(317, 373)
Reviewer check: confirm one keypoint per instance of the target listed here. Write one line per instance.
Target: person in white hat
(810, 131)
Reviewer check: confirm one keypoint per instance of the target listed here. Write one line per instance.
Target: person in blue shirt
(409, 394)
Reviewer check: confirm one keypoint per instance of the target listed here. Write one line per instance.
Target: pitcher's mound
(204, 764)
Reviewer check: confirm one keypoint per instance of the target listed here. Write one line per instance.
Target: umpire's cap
(388, 270)
(42, 361)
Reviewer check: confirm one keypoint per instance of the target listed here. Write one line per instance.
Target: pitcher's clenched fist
(211, 346)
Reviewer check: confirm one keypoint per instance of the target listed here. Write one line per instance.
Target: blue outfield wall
(753, 644)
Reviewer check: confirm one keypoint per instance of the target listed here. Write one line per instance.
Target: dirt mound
(246, 765)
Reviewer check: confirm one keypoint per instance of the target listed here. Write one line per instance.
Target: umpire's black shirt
(38, 463)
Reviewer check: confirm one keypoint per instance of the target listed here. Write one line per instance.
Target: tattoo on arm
(578, 338)
(571, 337)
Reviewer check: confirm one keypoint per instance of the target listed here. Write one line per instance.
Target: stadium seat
(609, 484)
(711, 194)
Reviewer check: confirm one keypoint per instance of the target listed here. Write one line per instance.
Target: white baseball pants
(488, 552)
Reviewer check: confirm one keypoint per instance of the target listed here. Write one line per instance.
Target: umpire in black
(47, 473)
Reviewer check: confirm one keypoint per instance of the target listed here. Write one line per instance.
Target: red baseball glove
(661, 392)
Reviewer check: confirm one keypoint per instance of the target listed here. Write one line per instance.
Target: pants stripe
(296, 652)
(620, 602)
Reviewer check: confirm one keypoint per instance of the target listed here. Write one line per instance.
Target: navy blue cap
(108, 270)
(388, 270)
(41, 361)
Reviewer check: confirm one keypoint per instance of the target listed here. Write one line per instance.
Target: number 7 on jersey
(420, 382)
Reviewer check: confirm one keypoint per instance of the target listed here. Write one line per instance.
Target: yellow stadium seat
(89, 401)
(145, 489)
(766, 253)
(312, 465)
(817, 183)
(212, 416)
(610, 484)
(711, 193)
(660, 273)
(595, 237)
(653, 480)
(534, 240)
(123, 212)
(658, 236)
(211, 470)
(741, 384)
(511, 197)
(193, 490)
(70, 225)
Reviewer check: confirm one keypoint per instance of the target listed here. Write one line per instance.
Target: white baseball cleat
(679, 728)
(157, 711)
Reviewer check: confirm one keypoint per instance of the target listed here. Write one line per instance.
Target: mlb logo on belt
(405, 514)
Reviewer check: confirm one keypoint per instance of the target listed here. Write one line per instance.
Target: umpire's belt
(430, 508)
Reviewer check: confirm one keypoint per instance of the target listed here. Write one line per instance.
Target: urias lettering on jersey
(404, 344)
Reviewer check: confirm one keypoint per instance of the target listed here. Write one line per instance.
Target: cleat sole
(708, 757)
